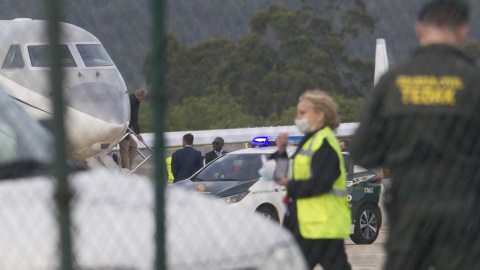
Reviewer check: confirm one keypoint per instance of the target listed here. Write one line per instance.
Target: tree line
(219, 83)
(287, 48)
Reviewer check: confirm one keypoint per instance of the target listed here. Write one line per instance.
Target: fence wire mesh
(235, 70)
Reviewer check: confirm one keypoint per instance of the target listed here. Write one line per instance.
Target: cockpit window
(94, 55)
(14, 58)
(39, 56)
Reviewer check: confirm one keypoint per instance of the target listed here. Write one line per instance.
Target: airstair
(105, 159)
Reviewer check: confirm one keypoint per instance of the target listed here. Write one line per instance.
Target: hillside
(124, 26)
(394, 22)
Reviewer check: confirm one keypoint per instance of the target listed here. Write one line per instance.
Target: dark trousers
(329, 253)
(434, 213)
(443, 234)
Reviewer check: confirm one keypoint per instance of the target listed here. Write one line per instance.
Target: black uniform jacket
(134, 106)
(423, 122)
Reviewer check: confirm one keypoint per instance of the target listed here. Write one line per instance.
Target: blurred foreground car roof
(25, 145)
(113, 228)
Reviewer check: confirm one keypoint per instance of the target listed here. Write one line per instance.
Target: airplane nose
(100, 100)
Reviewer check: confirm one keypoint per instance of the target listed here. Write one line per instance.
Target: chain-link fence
(231, 73)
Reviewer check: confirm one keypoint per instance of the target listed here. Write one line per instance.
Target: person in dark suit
(186, 161)
(217, 145)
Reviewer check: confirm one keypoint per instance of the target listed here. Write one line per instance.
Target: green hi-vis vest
(169, 170)
(326, 216)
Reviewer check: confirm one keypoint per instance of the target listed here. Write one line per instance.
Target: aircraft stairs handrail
(145, 158)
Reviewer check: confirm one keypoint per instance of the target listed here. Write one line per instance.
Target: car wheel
(268, 213)
(367, 224)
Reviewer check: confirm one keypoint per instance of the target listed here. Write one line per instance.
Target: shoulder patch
(428, 90)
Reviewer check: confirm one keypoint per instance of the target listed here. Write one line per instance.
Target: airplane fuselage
(97, 108)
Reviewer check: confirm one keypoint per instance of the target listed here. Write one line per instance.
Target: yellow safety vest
(169, 170)
(326, 216)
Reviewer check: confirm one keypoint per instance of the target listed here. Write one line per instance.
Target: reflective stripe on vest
(326, 216)
(168, 161)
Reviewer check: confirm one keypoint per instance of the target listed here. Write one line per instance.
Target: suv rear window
(233, 167)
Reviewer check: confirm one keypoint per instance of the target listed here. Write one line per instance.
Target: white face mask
(303, 125)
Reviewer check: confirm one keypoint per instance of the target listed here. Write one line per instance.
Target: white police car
(234, 179)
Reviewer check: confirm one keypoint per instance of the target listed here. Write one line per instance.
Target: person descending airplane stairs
(145, 158)
(105, 159)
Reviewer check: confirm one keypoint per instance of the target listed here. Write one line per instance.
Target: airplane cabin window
(94, 55)
(14, 58)
(39, 56)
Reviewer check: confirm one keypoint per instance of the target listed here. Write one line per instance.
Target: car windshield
(94, 55)
(24, 142)
(233, 167)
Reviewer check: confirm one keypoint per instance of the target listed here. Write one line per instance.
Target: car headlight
(234, 198)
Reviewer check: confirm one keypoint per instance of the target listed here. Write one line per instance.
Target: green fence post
(59, 169)
(159, 105)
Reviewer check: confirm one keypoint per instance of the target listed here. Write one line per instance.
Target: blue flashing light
(260, 139)
(263, 141)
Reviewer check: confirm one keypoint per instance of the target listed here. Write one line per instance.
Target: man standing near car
(186, 161)
(217, 151)
(422, 121)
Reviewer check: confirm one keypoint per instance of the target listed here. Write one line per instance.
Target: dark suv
(364, 187)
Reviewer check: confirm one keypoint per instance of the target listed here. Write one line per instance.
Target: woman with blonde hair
(318, 213)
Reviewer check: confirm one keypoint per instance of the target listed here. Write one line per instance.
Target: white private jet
(96, 97)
